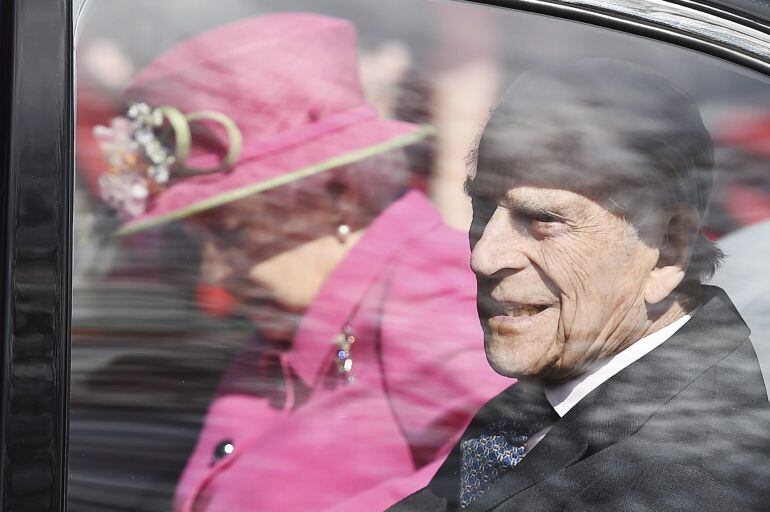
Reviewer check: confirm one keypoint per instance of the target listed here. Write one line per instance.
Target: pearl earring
(343, 232)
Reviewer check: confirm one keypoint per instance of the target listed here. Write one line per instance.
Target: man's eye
(545, 217)
(545, 224)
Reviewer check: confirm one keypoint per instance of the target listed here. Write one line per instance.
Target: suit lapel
(613, 411)
(620, 406)
(424, 500)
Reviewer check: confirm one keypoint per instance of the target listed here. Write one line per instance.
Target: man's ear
(680, 231)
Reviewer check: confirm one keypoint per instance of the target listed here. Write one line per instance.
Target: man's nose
(499, 249)
(215, 268)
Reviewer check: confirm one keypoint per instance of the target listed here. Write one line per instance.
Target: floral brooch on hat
(140, 165)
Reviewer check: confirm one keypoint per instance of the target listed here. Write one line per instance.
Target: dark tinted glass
(272, 303)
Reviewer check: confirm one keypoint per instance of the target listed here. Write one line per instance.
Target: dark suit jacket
(685, 428)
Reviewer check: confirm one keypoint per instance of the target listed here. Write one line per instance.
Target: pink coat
(407, 292)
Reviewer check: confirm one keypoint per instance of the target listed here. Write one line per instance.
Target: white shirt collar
(566, 395)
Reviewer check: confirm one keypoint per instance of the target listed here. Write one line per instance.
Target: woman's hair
(377, 181)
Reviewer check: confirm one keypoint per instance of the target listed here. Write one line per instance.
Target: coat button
(222, 450)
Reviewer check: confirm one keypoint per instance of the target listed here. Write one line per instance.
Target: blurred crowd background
(146, 360)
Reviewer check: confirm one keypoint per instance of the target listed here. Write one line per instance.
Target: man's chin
(522, 346)
(502, 362)
(502, 368)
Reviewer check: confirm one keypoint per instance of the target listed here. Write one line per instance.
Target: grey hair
(608, 129)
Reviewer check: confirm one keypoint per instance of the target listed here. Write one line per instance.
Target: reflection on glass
(271, 310)
(591, 183)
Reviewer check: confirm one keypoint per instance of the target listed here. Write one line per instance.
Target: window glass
(272, 302)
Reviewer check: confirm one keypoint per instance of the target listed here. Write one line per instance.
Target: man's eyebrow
(478, 188)
(530, 209)
(470, 186)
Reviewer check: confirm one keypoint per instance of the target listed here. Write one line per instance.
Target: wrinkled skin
(584, 270)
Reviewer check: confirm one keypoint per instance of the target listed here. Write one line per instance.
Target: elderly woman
(258, 136)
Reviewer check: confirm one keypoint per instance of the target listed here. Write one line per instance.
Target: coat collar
(409, 217)
(611, 412)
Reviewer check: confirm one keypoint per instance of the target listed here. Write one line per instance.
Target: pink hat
(286, 84)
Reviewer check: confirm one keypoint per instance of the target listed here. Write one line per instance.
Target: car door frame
(36, 188)
(36, 151)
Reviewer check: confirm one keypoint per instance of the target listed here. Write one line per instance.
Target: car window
(273, 307)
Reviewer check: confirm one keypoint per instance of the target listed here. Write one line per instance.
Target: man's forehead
(523, 192)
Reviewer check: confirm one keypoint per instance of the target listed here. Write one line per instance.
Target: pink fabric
(420, 369)
(290, 83)
(281, 141)
(195, 189)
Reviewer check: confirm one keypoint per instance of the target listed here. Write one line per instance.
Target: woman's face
(272, 252)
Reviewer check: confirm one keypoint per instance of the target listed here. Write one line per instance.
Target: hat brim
(341, 147)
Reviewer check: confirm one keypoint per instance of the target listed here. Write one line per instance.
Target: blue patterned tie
(486, 457)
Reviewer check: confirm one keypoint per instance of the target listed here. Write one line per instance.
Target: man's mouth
(518, 309)
(512, 316)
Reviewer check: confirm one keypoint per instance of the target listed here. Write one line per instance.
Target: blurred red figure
(747, 199)
(368, 358)
(215, 300)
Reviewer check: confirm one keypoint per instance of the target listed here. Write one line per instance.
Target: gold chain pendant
(344, 341)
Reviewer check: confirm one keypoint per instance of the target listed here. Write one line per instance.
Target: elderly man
(638, 386)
